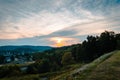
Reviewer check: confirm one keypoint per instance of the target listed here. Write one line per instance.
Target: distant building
(7, 59)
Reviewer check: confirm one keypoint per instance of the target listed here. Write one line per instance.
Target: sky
(56, 22)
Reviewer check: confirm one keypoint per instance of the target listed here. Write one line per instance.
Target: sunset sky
(56, 22)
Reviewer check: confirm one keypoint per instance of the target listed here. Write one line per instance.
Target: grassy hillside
(107, 70)
(106, 67)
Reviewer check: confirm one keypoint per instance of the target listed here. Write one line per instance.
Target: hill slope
(106, 67)
(107, 70)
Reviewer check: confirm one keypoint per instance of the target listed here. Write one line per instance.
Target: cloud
(104, 7)
(96, 26)
(79, 32)
(42, 23)
(40, 20)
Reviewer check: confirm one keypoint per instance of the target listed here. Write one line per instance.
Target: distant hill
(25, 48)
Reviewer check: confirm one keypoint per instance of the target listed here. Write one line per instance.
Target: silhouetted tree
(107, 42)
(2, 59)
(118, 41)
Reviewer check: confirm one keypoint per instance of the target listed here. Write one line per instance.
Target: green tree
(67, 58)
(107, 42)
(8, 71)
(2, 59)
(118, 41)
(41, 66)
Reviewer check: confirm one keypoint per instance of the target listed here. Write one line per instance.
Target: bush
(8, 71)
(39, 67)
(67, 58)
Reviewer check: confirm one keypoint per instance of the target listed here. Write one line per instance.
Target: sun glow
(58, 41)
(61, 41)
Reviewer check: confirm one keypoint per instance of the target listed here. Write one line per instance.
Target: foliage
(118, 41)
(2, 59)
(96, 46)
(67, 58)
(39, 67)
(8, 71)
